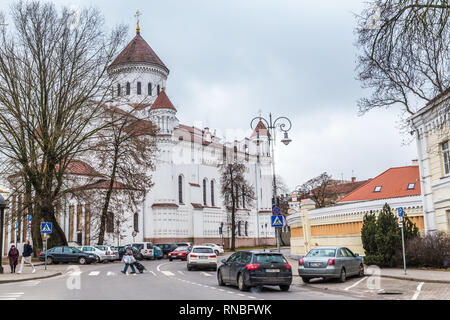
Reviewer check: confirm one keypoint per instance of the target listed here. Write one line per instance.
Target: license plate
(203, 257)
(315, 264)
(272, 270)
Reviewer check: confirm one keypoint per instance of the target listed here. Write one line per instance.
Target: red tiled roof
(78, 167)
(141, 127)
(104, 184)
(138, 50)
(162, 102)
(344, 187)
(261, 128)
(394, 183)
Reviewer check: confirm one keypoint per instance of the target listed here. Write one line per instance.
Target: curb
(28, 279)
(414, 279)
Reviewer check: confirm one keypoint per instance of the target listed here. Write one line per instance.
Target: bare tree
(235, 190)
(318, 189)
(404, 53)
(126, 150)
(53, 83)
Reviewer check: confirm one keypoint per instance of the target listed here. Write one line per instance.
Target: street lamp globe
(286, 140)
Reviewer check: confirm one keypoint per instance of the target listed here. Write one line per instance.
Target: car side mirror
(224, 261)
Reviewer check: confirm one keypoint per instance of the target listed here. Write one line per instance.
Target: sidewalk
(26, 274)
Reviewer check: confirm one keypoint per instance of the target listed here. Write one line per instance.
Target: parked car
(217, 249)
(136, 253)
(184, 244)
(108, 251)
(202, 257)
(330, 262)
(179, 253)
(255, 268)
(115, 254)
(100, 255)
(167, 248)
(157, 252)
(56, 255)
(145, 249)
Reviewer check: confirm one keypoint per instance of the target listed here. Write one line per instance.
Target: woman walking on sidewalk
(13, 256)
(26, 256)
(129, 260)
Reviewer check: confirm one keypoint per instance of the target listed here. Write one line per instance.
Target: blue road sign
(277, 221)
(400, 212)
(46, 227)
(30, 217)
(276, 210)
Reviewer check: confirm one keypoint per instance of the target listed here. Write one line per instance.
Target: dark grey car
(330, 262)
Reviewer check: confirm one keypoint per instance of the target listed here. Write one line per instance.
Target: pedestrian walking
(13, 256)
(26, 256)
(129, 260)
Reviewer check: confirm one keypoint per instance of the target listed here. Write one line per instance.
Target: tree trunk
(47, 212)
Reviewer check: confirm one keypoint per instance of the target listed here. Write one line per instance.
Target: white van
(145, 249)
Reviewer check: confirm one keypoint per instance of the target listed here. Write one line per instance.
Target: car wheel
(305, 279)
(241, 283)
(343, 276)
(216, 252)
(82, 260)
(170, 259)
(220, 279)
(285, 287)
(361, 270)
(49, 260)
(189, 267)
(97, 259)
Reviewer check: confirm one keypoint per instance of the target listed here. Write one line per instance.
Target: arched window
(243, 197)
(136, 222)
(118, 89)
(180, 189)
(213, 202)
(239, 228)
(138, 88)
(246, 228)
(128, 89)
(204, 192)
(149, 88)
(158, 89)
(110, 222)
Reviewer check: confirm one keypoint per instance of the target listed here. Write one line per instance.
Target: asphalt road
(163, 280)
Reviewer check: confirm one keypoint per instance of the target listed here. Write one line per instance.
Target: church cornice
(143, 67)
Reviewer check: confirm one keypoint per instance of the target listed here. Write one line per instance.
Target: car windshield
(181, 249)
(321, 253)
(202, 250)
(138, 245)
(103, 248)
(269, 258)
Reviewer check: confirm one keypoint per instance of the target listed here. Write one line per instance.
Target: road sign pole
(403, 248)
(45, 251)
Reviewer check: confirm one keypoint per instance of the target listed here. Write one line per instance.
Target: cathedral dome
(138, 51)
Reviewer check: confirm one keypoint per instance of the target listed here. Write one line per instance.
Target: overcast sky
(294, 58)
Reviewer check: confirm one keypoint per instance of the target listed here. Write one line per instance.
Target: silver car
(330, 262)
(100, 255)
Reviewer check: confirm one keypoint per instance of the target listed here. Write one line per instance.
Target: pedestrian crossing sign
(277, 221)
(46, 227)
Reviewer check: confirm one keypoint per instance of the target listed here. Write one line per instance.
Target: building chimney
(353, 179)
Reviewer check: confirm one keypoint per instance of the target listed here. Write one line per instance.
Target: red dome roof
(138, 50)
(162, 102)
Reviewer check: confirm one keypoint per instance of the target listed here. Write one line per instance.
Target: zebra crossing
(96, 273)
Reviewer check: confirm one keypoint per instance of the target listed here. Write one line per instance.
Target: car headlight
(91, 256)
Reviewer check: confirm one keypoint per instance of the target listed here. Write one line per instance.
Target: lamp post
(283, 124)
(2, 212)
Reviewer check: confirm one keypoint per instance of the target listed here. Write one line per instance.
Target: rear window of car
(321, 253)
(149, 246)
(203, 250)
(138, 245)
(181, 249)
(269, 258)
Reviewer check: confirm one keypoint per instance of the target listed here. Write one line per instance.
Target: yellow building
(340, 225)
(431, 127)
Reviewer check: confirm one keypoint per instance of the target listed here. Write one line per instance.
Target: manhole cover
(389, 292)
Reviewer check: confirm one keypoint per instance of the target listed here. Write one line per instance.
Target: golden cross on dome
(137, 15)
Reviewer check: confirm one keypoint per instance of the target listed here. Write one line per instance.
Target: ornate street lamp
(283, 124)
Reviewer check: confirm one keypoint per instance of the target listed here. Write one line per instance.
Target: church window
(128, 88)
(110, 222)
(149, 88)
(239, 228)
(243, 197)
(180, 189)
(118, 89)
(158, 89)
(246, 228)
(212, 194)
(136, 222)
(138, 88)
(204, 192)
(446, 157)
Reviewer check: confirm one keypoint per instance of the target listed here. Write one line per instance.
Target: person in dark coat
(26, 256)
(13, 256)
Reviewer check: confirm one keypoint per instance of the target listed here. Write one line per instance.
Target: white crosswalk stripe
(94, 273)
(30, 283)
(11, 295)
(206, 274)
(168, 273)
